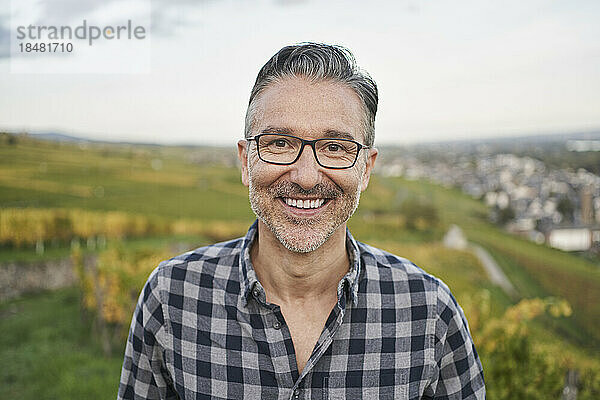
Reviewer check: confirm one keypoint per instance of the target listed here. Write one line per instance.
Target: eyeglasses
(282, 149)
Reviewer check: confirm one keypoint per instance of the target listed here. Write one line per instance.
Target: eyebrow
(273, 129)
(330, 133)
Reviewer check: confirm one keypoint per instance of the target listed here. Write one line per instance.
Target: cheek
(350, 183)
(355, 178)
(260, 173)
(252, 161)
(254, 165)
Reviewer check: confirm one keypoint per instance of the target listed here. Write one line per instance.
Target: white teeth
(304, 203)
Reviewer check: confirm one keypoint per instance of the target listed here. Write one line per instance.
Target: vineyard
(122, 201)
(28, 227)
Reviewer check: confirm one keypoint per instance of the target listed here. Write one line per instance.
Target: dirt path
(455, 239)
(493, 270)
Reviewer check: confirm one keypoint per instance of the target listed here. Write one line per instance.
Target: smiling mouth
(304, 203)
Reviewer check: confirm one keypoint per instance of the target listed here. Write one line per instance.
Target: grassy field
(44, 340)
(47, 174)
(47, 351)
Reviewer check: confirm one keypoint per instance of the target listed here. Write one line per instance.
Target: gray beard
(307, 236)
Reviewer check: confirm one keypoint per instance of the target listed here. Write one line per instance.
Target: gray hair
(318, 62)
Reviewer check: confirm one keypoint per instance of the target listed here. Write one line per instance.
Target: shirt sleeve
(459, 370)
(144, 375)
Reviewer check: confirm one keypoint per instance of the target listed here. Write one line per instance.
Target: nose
(306, 171)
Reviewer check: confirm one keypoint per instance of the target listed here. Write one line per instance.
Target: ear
(242, 145)
(371, 157)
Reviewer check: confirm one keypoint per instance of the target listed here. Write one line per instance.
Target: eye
(279, 143)
(334, 147)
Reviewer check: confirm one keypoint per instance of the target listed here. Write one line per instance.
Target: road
(455, 239)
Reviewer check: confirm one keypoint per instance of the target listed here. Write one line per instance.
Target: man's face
(307, 110)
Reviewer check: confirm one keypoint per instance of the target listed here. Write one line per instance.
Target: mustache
(321, 190)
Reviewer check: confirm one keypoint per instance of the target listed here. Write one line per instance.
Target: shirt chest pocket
(373, 384)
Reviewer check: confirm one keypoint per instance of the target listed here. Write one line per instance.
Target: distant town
(557, 206)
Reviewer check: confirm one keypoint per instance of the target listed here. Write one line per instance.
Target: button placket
(277, 338)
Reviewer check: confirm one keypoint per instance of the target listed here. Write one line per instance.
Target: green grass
(44, 174)
(29, 255)
(47, 352)
(525, 285)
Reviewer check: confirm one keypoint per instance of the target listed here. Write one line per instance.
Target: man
(298, 308)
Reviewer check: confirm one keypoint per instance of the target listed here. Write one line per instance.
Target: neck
(292, 278)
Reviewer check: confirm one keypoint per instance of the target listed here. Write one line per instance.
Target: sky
(445, 70)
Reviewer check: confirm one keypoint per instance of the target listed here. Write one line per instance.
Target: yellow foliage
(111, 285)
(513, 323)
(26, 226)
(513, 366)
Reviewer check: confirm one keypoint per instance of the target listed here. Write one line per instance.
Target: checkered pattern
(202, 329)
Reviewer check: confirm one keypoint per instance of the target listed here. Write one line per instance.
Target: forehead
(309, 109)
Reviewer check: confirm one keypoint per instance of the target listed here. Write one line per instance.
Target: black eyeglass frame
(305, 143)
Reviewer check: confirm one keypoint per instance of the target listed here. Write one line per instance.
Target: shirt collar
(248, 277)
(247, 274)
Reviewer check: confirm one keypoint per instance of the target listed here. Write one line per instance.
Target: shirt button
(297, 394)
(256, 293)
(276, 325)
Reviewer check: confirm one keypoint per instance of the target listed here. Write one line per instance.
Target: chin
(300, 239)
(301, 235)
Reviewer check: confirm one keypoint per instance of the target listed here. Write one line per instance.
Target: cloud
(169, 16)
(4, 38)
(63, 11)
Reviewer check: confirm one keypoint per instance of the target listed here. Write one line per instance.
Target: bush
(110, 288)
(513, 367)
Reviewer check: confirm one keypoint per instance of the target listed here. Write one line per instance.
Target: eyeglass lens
(330, 152)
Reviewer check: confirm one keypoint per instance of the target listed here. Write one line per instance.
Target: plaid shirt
(202, 329)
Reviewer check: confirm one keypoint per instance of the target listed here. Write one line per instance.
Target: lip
(304, 212)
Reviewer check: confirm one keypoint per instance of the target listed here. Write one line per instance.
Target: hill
(408, 218)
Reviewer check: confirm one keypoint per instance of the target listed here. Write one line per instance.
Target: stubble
(302, 235)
